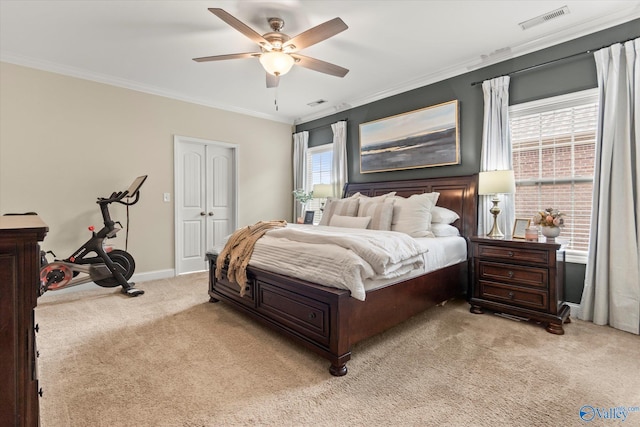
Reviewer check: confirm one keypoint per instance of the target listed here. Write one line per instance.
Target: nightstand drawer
(513, 295)
(514, 254)
(519, 275)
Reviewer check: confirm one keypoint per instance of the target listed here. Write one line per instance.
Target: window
(319, 167)
(553, 160)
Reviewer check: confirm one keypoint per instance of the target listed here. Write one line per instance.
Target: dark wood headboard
(457, 193)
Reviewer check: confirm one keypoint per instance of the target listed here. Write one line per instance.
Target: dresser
(520, 278)
(19, 291)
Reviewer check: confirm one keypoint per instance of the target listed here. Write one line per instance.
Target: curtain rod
(322, 126)
(553, 61)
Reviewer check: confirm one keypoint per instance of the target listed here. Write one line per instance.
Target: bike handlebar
(118, 196)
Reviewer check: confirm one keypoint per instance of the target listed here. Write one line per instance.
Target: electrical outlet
(167, 197)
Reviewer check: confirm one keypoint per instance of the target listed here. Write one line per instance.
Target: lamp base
(495, 232)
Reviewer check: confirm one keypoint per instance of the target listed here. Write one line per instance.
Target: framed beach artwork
(417, 139)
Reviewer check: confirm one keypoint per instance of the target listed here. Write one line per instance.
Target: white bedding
(442, 252)
(353, 259)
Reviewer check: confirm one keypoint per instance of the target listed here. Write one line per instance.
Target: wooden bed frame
(327, 320)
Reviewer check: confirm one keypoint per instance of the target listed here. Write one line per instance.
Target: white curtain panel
(339, 169)
(611, 293)
(300, 144)
(496, 152)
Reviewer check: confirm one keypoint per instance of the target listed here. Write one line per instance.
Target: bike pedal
(132, 292)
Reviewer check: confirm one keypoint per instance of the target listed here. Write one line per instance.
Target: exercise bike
(93, 262)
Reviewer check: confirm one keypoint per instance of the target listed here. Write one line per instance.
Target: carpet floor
(171, 358)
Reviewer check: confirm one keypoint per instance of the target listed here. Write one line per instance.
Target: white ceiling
(390, 46)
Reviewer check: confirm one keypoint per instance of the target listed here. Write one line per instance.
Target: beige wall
(65, 141)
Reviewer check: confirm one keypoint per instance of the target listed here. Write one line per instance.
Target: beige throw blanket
(239, 248)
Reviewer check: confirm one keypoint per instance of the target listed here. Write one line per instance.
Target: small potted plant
(550, 221)
(303, 198)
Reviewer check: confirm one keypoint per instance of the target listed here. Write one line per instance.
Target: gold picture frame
(417, 139)
(520, 227)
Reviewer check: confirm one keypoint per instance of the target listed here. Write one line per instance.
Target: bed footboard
(326, 320)
(302, 311)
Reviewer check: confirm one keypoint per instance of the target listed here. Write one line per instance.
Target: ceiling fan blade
(272, 81)
(321, 66)
(240, 26)
(229, 56)
(316, 34)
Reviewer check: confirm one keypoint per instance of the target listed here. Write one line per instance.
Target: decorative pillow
(444, 230)
(443, 215)
(413, 215)
(380, 198)
(433, 196)
(344, 207)
(381, 213)
(349, 221)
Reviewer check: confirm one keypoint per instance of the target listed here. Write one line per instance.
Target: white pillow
(381, 213)
(444, 230)
(413, 215)
(349, 221)
(434, 197)
(380, 198)
(443, 215)
(344, 207)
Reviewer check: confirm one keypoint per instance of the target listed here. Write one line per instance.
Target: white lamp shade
(276, 63)
(322, 191)
(496, 182)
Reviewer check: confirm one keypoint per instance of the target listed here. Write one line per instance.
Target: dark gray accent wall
(566, 76)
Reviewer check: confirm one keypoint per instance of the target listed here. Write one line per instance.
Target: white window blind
(553, 160)
(319, 167)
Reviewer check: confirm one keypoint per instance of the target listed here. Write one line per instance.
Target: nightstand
(520, 278)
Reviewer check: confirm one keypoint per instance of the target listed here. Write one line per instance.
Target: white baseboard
(575, 310)
(136, 278)
(153, 275)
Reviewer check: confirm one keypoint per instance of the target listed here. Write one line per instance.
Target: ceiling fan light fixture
(276, 63)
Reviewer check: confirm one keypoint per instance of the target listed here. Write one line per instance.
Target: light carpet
(171, 358)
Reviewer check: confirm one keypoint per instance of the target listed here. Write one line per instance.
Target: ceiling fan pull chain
(275, 101)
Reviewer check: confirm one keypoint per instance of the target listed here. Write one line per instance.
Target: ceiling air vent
(316, 103)
(544, 18)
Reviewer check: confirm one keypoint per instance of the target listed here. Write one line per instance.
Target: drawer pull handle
(312, 315)
(37, 328)
(510, 253)
(511, 295)
(247, 288)
(40, 392)
(510, 274)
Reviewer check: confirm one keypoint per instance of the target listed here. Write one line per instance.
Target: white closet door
(205, 200)
(219, 196)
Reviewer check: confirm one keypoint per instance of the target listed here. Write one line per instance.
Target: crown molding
(127, 84)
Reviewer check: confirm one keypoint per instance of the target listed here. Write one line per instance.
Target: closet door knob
(202, 213)
(210, 213)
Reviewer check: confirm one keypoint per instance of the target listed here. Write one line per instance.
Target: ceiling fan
(278, 50)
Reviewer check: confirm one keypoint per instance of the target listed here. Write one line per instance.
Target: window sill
(576, 257)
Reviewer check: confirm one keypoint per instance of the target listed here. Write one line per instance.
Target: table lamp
(322, 191)
(494, 183)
